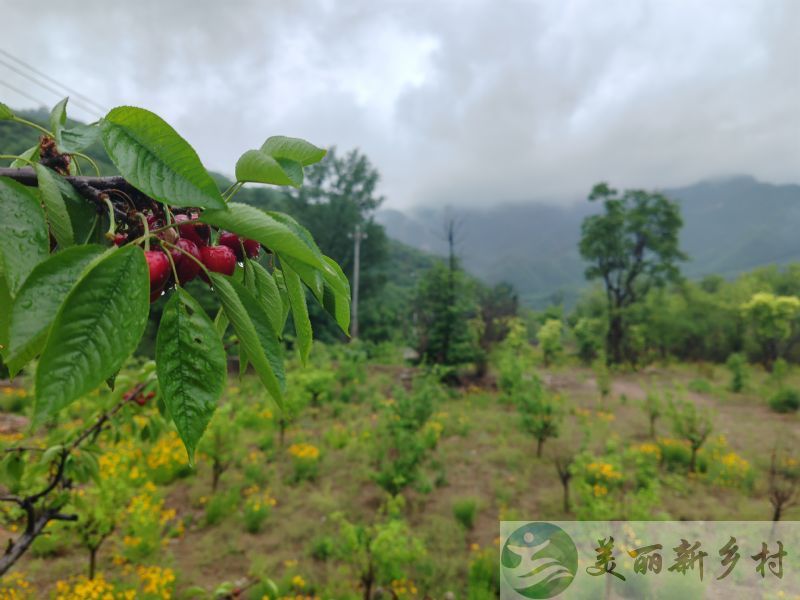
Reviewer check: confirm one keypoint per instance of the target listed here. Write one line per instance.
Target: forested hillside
(730, 226)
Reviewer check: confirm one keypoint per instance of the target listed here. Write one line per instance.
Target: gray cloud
(455, 102)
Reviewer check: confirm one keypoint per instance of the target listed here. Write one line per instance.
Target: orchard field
(376, 453)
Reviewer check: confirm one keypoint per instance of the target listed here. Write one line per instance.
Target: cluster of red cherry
(190, 246)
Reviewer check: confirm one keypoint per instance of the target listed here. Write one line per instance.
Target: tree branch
(91, 188)
(37, 520)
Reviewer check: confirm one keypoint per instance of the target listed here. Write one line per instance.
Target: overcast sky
(460, 102)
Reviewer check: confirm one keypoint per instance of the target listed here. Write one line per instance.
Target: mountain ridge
(731, 225)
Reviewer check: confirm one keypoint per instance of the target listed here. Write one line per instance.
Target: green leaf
(330, 271)
(243, 364)
(332, 292)
(335, 300)
(5, 112)
(156, 160)
(253, 329)
(192, 367)
(296, 149)
(6, 302)
(309, 275)
(277, 275)
(14, 468)
(24, 242)
(253, 223)
(31, 154)
(267, 293)
(297, 300)
(96, 329)
(78, 138)
(38, 301)
(58, 118)
(259, 167)
(82, 214)
(221, 323)
(54, 205)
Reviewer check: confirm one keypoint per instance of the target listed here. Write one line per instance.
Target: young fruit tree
(83, 257)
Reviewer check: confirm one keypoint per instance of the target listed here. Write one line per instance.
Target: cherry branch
(93, 189)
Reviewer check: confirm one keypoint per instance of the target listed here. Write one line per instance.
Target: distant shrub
(675, 454)
(220, 505)
(550, 340)
(725, 467)
(737, 365)
(464, 511)
(780, 371)
(322, 548)
(785, 400)
(700, 386)
(484, 578)
(305, 462)
(257, 508)
(602, 376)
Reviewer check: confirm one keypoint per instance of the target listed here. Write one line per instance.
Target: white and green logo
(538, 560)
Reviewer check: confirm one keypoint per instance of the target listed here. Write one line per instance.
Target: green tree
(691, 424)
(444, 311)
(589, 334)
(541, 412)
(771, 319)
(737, 365)
(632, 247)
(498, 304)
(550, 340)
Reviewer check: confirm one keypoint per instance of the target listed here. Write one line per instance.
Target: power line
(47, 87)
(73, 93)
(23, 93)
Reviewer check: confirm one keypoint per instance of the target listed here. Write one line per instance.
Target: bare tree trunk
(776, 515)
(614, 339)
(92, 560)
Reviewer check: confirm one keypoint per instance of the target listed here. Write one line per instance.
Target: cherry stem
(174, 224)
(147, 232)
(174, 269)
(15, 157)
(89, 160)
(22, 121)
(112, 225)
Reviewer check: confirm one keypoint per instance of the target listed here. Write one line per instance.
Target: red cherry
(199, 233)
(186, 267)
(158, 264)
(153, 222)
(219, 259)
(231, 240)
(252, 248)
(234, 242)
(119, 239)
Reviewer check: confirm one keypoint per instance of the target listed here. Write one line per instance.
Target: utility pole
(357, 236)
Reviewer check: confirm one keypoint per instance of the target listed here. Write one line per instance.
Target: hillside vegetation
(730, 225)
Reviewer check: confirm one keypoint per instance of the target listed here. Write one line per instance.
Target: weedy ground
(484, 460)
